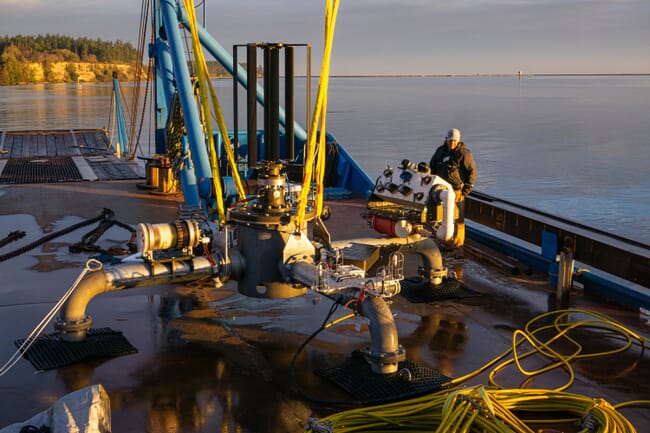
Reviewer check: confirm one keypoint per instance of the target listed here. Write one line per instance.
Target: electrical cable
(493, 409)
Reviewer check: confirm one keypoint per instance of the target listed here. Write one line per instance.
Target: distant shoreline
(489, 75)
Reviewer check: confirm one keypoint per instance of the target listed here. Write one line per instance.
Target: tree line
(32, 59)
(19, 53)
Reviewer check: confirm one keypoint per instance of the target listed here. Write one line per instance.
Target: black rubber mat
(39, 170)
(417, 290)
(411, 380)
(51, 351)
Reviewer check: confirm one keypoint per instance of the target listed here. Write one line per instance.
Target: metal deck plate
(50, 351)
(411, 380)
(39, 170)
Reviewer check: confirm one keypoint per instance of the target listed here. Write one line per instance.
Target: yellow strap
(331, 10)
(203, 79)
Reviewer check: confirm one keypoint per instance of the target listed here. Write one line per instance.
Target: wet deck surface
(210, 359)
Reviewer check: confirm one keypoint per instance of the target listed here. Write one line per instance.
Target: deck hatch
(39, 170)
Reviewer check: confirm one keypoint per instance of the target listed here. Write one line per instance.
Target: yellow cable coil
(320, 106)
(491, 408)
(203, 80)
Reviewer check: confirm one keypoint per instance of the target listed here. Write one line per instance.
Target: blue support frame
(195, 135)
(122, 136)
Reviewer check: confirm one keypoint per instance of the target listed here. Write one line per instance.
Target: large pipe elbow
(384, 352)
(73, 321)
(432, 267)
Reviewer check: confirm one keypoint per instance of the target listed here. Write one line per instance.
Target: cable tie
(589, 422)
(314, 425)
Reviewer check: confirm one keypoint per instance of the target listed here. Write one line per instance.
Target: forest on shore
(64, 59)
(58, 58)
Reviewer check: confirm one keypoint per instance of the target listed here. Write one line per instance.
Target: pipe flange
(74, 327)
(385, 362)
(432, 274)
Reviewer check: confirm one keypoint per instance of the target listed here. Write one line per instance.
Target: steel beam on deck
(616, 255)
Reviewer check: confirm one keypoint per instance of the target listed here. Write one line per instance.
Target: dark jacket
(455, 166)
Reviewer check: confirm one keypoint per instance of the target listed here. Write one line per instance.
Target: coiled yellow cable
(483, 409)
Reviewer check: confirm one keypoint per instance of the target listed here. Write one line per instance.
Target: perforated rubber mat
(411, 380)
(51, 351)
(417, 290)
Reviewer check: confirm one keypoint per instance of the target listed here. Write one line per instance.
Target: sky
(377, 37)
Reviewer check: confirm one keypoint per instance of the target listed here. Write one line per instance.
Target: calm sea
(578, 147)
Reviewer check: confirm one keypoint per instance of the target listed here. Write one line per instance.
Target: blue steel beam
(191, 116)
(164, 69)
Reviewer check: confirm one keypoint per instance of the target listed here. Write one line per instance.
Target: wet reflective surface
(210, 359)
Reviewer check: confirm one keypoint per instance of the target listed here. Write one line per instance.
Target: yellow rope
(331, 10)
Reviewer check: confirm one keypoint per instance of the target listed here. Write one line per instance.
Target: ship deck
(210, 359)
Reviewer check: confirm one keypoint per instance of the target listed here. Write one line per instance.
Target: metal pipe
(251, 105)
(384, 352)
(73, 321)
(433, 268)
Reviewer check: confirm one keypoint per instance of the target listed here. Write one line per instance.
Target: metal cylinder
(151, 168)
(391, 227)
(271, 102)
(179, 234)
(288, 103)
(251, 104)
(167, 183)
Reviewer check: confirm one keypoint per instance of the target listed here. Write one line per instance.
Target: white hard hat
(453, 134)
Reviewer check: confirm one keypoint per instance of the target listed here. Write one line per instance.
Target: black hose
(105, 214)
(12, 237)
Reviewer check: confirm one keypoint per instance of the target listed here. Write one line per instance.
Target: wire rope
(92, 265)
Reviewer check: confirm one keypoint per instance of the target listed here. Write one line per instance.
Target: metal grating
(39, 170)
(51, 351)
(411, 380)
(418, 290)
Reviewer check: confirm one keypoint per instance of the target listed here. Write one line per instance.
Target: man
(454, 162)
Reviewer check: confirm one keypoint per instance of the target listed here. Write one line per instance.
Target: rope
(92, 265)
(319, 115)
(144, 17)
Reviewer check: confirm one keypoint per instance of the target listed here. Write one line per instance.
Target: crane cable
(203, 79)
(319, 113)
(491, 408)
